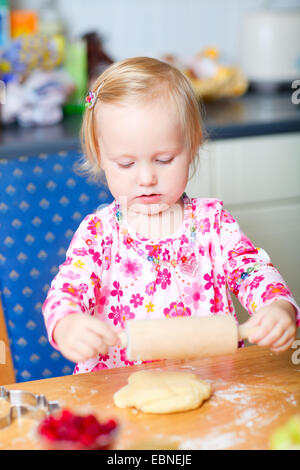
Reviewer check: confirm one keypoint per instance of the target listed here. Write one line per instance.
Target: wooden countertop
(254, 391)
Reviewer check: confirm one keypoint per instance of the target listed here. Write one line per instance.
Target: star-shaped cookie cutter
(25, 403)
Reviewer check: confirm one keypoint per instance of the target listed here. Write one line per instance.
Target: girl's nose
(147, 175)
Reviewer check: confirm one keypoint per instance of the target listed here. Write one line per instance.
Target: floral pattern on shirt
(106, 274)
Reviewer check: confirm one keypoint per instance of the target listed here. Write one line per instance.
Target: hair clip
(91, 98)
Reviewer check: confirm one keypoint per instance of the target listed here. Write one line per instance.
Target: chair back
(43, 199)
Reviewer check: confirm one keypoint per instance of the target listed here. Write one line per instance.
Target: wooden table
(254, 391)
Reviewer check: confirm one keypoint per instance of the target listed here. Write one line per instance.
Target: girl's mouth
(149, 198)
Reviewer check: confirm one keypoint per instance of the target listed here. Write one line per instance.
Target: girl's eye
(128, 165)
(165, 162)
(125, 165)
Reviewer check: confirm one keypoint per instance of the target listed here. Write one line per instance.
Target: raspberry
(83, 430)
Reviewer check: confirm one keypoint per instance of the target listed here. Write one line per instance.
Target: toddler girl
(154, 252)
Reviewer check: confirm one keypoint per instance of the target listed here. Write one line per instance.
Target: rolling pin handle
(244, 331)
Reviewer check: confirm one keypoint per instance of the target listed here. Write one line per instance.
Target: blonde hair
(141, 78)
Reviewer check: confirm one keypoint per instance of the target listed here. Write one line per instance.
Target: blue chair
(43, 199)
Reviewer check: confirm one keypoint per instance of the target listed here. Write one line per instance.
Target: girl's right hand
(80, 337)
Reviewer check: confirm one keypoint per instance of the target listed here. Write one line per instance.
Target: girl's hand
(80, 337)
(276, 326)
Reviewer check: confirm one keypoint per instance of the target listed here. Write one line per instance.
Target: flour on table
(235, 394)
(188, 367)
(214, 441)
(291, 399)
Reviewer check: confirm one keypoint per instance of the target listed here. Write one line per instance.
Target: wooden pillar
(7, 374)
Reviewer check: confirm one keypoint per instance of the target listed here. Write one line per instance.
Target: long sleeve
(250, 274)
(76, 287)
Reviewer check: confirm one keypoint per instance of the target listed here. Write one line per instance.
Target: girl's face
(143, 154)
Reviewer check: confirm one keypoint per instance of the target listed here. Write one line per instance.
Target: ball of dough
(154, 391)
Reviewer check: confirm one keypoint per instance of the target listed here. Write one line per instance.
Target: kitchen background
(243, 58)
(140, 27)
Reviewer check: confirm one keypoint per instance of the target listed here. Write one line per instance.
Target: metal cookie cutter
(25, 403)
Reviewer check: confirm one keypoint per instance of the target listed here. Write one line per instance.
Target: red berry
(85, 430)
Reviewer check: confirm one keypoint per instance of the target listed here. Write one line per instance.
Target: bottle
(4, 23)
(76, 66)
(23, 22)
(51, 24)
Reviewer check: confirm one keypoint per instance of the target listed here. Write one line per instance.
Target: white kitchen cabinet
(258, 180)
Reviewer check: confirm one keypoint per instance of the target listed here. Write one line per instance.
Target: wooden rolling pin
(182, 338)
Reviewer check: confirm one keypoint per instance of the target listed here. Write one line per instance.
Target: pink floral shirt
(109, 273)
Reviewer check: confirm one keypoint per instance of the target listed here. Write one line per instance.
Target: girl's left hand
(276, 324)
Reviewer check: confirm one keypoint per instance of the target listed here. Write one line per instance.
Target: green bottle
(76, 65)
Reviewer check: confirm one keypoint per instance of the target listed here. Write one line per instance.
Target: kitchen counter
(250, 115)
(254, 391)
